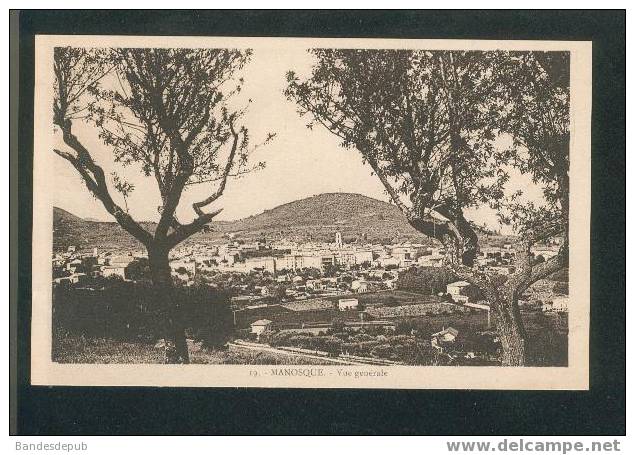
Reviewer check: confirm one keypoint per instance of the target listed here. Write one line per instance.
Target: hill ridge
(358, 217)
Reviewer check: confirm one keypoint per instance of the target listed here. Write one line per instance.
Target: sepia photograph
(311, 212)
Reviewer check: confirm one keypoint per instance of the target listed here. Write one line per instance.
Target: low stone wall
(420, 309)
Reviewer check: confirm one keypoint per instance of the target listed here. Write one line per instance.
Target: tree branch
(544, 269)
(527, 274)
(391, 191)
(219, 178)
(186, 230)
(95, 181)
(197, 206)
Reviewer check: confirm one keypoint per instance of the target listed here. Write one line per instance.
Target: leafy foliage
(171, 111)
(534, 97)
(421, 119)
(162, 93)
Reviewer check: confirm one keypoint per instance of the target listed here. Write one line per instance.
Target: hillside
(359, 218)
(69, 229)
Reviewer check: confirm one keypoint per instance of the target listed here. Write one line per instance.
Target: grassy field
(103, 351)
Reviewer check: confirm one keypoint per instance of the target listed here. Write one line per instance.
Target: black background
(163, 411)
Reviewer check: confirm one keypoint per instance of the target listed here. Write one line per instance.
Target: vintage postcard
(308, 212)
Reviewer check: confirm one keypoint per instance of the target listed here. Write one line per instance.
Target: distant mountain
(359, 218)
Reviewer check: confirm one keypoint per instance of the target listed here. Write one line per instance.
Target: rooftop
(261, 322)
(450, 330)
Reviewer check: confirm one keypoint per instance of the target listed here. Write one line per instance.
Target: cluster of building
(72, 267)
(342, 268)
(276, 258)
(292, 256)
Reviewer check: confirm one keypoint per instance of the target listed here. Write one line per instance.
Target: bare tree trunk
(461, 243)
(174, 331)
(509, 326)
(503, 300)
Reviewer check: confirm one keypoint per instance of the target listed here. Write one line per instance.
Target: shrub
(425, 280)
(130, 311)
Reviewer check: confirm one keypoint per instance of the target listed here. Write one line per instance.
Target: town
(336, 302)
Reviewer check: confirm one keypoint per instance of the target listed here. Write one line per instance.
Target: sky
(299, 162)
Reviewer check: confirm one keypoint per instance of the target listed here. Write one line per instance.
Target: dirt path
(271, 350)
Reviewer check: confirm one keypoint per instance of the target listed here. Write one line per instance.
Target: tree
(420, 120)
(169, 112)
(331, 270)
(427, 123)
(534, 90)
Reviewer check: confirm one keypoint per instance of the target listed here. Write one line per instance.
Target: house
(121, 260)
(445, 336)
(431, 260)
(407, 254)
(557, 305)
(546, 253)
(456, 287)
(363, 256)
(300, 261)
(96, 273)
(347, 304)
(359, 286)
(71, 279)
(501, 269)
(184, 277)
(261, 326)
(316, 285)
(114, 270)
(386, 261)
(265, 291)
(263, 263)
(460, 299)
(462, 291)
